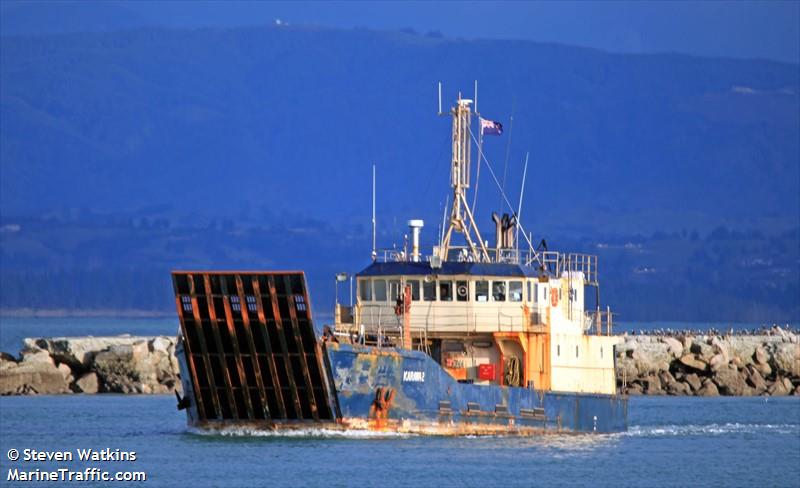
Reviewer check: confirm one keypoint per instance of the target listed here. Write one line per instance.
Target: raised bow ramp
(250, 352)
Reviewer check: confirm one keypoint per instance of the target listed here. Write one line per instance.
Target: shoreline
(680, 365)
(31, 313)
(112, 364)
(710, 364)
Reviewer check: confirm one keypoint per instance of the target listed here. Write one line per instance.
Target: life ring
(462, 291)
(554, 297)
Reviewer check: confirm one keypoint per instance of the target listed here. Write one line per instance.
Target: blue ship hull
(419, 396)
(262, 367)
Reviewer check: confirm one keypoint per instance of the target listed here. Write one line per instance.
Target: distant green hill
(276, 127)
(127, 119)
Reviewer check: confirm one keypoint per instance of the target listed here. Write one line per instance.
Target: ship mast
(461, 218)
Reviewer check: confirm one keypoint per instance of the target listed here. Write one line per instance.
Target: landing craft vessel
(471, 339)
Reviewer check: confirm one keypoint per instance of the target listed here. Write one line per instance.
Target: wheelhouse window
(414, 284)
(499, 291)
(515, 291)
(394, 289)
(446, 291)
(481, 291)
(462, 291)
(536, 292)
(529, 291)
(429, 291)
(365, 290)
(380, 290)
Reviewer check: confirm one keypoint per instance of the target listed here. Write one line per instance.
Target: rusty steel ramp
(251, 350)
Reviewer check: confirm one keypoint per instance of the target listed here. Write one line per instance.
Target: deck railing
(553, 262)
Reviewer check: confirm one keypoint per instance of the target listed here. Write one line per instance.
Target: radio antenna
(374, 250)
(521, 193)
(476, 100)
(440, 98)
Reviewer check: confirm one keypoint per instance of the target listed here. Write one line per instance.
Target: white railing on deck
(552, 261)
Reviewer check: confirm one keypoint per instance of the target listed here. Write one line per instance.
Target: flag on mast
(491, 127)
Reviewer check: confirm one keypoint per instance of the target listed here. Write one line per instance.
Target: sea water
(671, 441)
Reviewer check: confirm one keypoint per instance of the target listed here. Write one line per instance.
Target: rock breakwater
(120, 364)
(710, 365)
(701, 365)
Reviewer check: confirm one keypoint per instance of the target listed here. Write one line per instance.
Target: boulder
(161, 344)
(37, 356)
(626, 369)
(678, 388)
(140, 350)
(760, 356)
(634, 389)
(651, 357)
(134, 369)
(66, 372)
(88, 383)
(717, 362)
(31, 345)
(6, 357)
(652, 385)
(779, 388)
(7, 360)
(694, 381)
(692, 361)
(116, 369)
(720, 347)
(708, 389)
(702, 350)
(764, 369)
(666, 378)
(786, 359)
(744, 347)
(173, 363)
(674, 345)
(730, 381)
(78, 352)
(32, 377)
(755, 379)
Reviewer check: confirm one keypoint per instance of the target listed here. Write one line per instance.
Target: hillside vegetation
(129, 153)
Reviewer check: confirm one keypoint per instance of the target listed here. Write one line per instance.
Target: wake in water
(299, 433)
(710, 430)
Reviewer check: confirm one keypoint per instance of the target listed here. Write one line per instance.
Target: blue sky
(741, 29)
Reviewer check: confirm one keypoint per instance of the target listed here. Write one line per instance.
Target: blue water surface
(671, 442)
